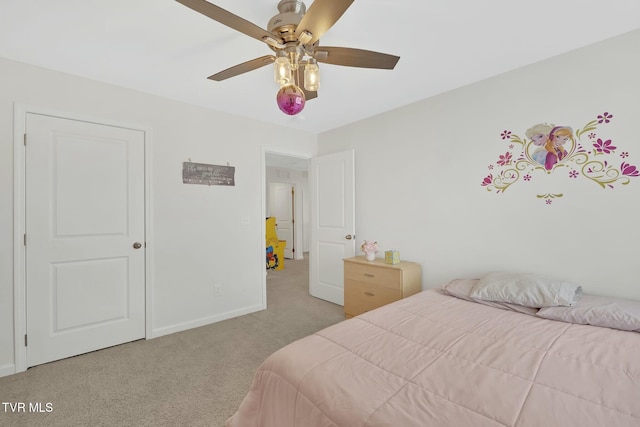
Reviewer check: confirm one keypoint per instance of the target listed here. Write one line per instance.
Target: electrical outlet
(217, 290)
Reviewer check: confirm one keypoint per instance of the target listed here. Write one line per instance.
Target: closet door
(85, 268)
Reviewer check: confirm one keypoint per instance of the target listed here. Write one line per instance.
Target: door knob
(349, 237)
(137, 245)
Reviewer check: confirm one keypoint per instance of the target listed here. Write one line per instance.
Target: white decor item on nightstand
(370, 249)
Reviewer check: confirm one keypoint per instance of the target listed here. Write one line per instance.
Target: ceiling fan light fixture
(294, 35)
(290, 99)
(282, 71)
(295, 53)
(311, 75)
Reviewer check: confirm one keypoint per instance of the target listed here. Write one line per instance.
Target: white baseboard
(158, 332)
(8, 369)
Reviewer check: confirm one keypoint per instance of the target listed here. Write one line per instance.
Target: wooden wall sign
(200, 173)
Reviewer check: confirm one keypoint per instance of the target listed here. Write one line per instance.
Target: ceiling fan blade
(229, 19)
(355, 57)
(243, 68)
(321, 16)
(298, 79)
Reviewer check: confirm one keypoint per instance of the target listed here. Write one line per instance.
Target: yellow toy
(275, 247)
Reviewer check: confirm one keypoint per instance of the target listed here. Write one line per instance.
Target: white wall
(419, 171)
(198, 239)
(302, 217)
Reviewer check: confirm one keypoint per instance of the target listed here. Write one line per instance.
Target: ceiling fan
(293, 35)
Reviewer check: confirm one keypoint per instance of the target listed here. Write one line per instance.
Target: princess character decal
(553, 150)
(558, 136)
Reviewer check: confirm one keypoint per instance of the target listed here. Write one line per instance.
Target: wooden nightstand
(372, 284)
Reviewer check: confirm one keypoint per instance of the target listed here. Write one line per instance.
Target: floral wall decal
(547, 148)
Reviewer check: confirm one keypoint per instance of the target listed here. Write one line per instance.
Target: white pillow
(461, 288)
(615, 313)
(529, 290)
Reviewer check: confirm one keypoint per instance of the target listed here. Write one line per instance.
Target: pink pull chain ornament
(290, 99)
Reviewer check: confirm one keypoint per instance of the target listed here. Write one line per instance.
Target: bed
(434, 359)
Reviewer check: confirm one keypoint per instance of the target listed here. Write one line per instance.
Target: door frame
(20, 112)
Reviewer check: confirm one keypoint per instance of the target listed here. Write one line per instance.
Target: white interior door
(84, 214)
(332, 188)
(281, 195)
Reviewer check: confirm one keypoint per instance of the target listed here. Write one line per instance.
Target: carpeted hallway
(192, 378)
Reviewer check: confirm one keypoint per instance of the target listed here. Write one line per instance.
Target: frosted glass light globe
(290, 99)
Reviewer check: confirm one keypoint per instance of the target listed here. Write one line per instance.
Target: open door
(332, 188)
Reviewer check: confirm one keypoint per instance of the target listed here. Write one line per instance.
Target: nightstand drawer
(360, 297)
(390, 278)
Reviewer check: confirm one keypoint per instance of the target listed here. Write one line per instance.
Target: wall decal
(548, 148)
(549, 197)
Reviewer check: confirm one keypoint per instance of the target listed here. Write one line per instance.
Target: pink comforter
(434, 360)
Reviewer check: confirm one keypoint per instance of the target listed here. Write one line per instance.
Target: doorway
(330, 207)
(282, 174)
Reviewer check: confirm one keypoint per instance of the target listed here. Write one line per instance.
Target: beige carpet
(192, 378)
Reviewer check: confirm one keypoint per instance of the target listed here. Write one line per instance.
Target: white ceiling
(164, 48)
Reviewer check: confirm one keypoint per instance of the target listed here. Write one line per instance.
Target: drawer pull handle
(370, 294)
(369, 275)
